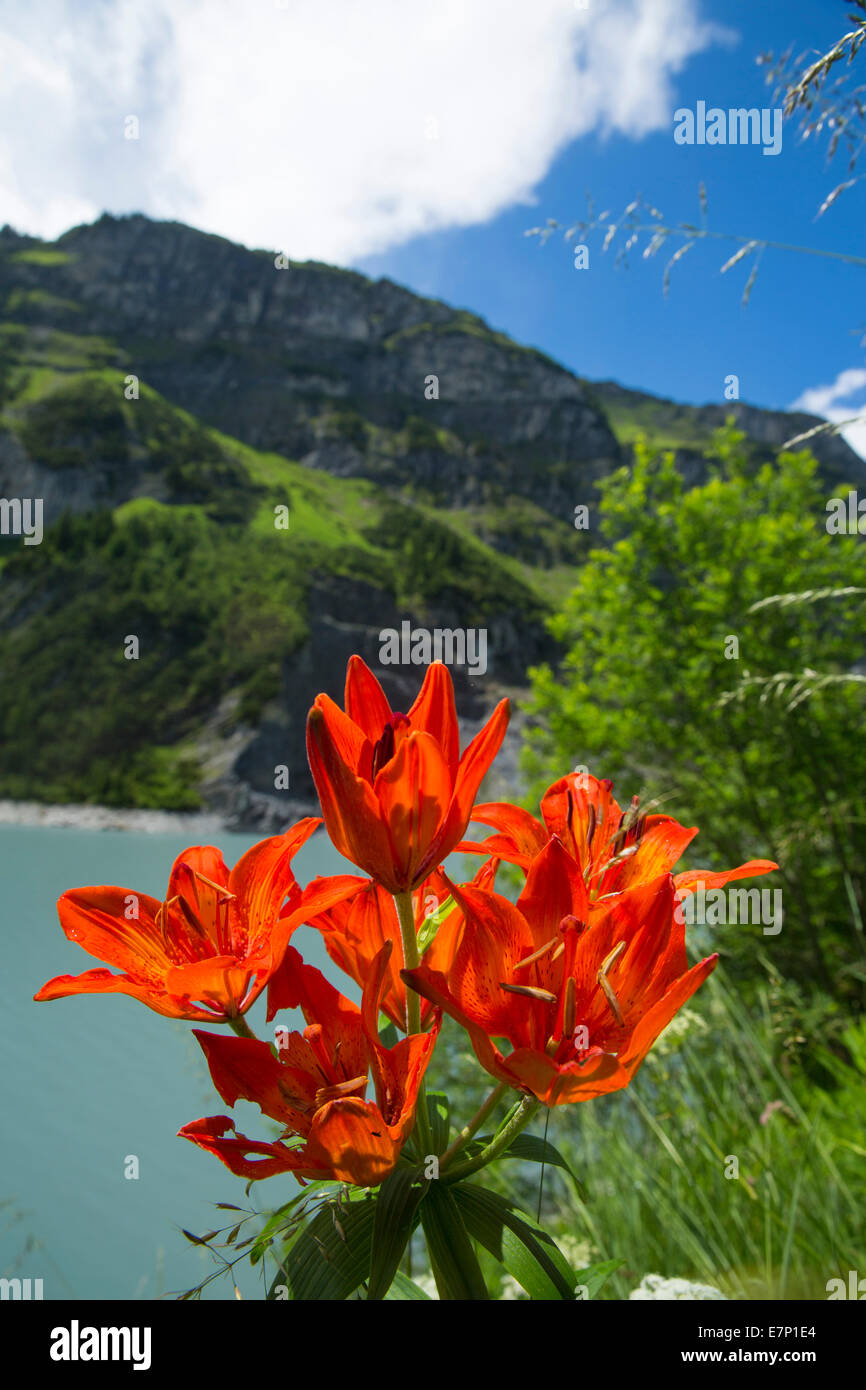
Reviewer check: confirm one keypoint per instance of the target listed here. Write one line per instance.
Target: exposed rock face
(308, 361)
(340, 625)
(269, 355)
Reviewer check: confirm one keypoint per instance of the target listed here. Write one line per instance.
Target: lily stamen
(606, 987)
(610, 996)
(609, 863)
(609, 959)
(537, 955)
(341, 1089)
(570, 1014)
(217, 887)
(531, 992)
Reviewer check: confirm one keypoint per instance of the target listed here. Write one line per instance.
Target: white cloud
(306, 125)
(842, 399)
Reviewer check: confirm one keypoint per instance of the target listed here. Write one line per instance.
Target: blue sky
(304, 126)
(800, 328)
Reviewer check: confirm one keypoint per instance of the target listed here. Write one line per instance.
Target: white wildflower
(655, 1286)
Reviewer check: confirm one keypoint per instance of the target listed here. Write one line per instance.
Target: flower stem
(474, 1124)
(411, 960)
(239, 1025)
(500, 1143)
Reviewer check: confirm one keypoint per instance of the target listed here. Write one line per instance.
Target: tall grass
(690, 1175)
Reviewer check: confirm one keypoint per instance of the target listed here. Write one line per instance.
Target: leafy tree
(682, 681)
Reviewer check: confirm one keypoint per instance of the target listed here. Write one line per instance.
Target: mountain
(687, 429)
(253, 468)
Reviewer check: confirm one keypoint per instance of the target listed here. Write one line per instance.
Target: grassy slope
(213, 590)
(664, 426)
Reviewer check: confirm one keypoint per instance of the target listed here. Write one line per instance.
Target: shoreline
(201, 825)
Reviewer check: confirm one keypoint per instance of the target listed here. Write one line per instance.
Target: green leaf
(281, 1218)
(320, 1263)
(533, 1149)
(474, 1146)
(452, 1258)
(388, 1035)
(431, 924)
(528, 1254)
(440, 1125)
(396, 1216)
(405, 1288)
(595, 1276)
(530, 1149)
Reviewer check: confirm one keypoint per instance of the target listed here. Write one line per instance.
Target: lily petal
(366, 702)
(702, 878)
(435, 713)
(104, 982)
(414, 792)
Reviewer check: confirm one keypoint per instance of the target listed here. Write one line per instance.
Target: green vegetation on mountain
(207, 579)
(661, 423)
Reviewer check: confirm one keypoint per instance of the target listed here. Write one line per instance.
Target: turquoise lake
(89, 1080)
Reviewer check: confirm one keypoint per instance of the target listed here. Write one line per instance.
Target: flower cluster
(561, 994)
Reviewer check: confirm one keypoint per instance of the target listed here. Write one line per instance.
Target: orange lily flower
(316, 1085)
(395, 792)
(208, 951)
(616, 849)
(355, 929)
(581, 1005)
